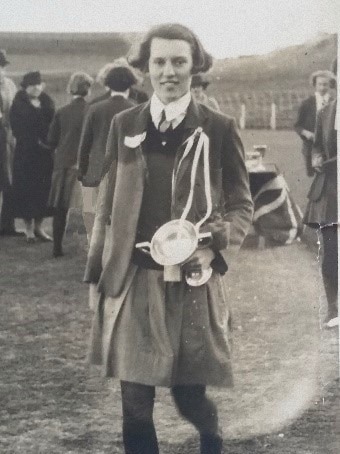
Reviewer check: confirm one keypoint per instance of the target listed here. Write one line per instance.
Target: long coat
(94, 136)
(322, 205)
(64, 137)
(33, 162)
(306, 120)
(7, 93)
(113, 238)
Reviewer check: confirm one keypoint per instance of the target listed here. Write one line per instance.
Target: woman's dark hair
(202, 61)
(321, 73)
(120, 79)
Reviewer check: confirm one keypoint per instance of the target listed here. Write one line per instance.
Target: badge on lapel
(134, 141)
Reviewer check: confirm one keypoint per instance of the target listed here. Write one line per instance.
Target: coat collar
(195, 117)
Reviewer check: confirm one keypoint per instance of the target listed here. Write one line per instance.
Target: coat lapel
(330, 135)
(127, 200)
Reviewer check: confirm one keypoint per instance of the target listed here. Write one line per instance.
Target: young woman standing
(148, 332)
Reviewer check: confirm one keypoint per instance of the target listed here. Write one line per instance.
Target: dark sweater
(156, 204)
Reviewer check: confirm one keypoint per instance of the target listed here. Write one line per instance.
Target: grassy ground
(286, 396)
(285, 366)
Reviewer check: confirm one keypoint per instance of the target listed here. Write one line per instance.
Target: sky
(227, 28)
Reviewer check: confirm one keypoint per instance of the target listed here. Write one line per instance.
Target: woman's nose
(168, 69)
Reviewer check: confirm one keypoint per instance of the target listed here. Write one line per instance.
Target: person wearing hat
(321, 212)
(136, 94)
(30, 116)
(63, 138)
(305, 124)
(151, 329)
(94, 136)
(7, 142)
(198, 88)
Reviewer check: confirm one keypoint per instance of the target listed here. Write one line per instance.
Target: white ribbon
(202, 144)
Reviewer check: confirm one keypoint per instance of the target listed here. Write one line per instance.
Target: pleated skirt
(164, 334)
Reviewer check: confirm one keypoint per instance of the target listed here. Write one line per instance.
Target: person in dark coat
(136, 94)
(7, 143)
(64, 137)
(30, 116)
(198, 88)
(305, 123)
(321, 211)
(148, 332)
(94, 136)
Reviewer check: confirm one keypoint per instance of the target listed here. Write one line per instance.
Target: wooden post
(243, 116)
(273, 116)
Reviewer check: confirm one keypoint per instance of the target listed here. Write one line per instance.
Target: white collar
(322, 97)
(321, 100)
(174, 111)
(125, 94)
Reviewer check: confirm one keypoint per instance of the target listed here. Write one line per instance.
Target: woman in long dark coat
(148, 332)
(321, 211)
(30, 117)
(63, 137)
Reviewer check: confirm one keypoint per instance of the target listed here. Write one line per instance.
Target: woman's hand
(308, 134)
(199, 260)
(317, 162)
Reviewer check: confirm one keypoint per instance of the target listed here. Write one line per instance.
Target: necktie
(164, 124)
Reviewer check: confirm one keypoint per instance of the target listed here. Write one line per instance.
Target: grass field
(284, 364)
(286, 397)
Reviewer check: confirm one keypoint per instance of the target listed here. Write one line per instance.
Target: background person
(321, 210)
(7, 93)
(94, 137)
(136, 94)
(148, 332)
(63, 137)
(198, 88)
(305, 124)
(30, 116)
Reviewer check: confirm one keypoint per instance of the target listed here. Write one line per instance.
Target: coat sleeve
(85, 144)
(299, 125)
(318, 145)
(94, 264)
(54, 131)
(10, 91)
(18, 121)
(230, 229)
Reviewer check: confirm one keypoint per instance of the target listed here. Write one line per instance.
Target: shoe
(332, 323)
(31, 239)
(42, 236)
(11, 233)
(58, 253)
(211, 444)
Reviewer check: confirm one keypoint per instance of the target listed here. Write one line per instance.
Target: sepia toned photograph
(169, 227)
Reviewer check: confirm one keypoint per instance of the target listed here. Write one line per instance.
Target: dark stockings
(139, 433)
(330, 268)
(59, 225)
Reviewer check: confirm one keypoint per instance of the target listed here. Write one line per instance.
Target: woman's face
(34, 91)
(170, 68)
(322, 85)
(197, 91)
